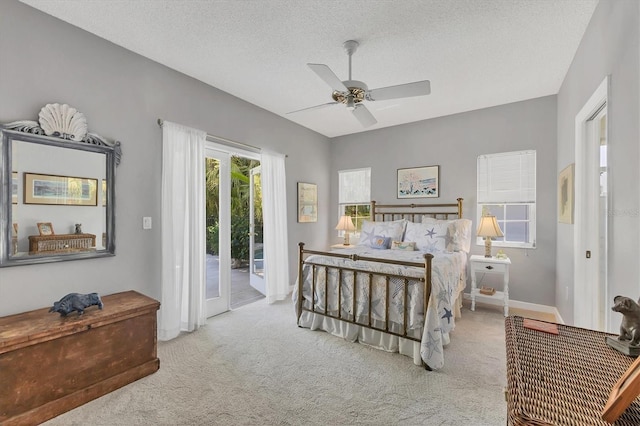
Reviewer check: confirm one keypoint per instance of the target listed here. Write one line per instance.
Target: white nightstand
(490, 265)
(341, 246)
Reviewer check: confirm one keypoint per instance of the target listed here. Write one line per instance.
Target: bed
(404, 298)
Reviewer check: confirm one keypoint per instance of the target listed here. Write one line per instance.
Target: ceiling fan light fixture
(351, 105)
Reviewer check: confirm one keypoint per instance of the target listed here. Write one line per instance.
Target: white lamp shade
(345, 224)
(489, 227)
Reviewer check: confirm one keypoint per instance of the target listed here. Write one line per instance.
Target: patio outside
(241, 292)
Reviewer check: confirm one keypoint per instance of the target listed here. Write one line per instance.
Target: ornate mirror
(58, 189)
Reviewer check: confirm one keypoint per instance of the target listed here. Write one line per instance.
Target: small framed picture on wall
(307, 202)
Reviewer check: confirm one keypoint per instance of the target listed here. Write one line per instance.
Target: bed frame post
(428, 257)
(373, 211)
(300, 280)
(460, 207)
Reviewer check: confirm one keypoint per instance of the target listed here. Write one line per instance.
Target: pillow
(381, 243)
(403, 245)
(462, 236)
(458, 232)
(429, 238)
(370, 230)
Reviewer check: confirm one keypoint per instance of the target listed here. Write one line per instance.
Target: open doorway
(233, 229)
(591, 289)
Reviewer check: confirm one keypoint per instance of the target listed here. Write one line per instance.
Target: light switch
(146, 223)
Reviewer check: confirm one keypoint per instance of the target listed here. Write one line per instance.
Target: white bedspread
(448, 280)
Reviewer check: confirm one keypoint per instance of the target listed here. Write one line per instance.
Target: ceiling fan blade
(364, 116)
(314, 107)
(325, 73)
(418, 88)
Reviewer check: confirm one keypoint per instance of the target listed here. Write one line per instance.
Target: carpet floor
(254, 366)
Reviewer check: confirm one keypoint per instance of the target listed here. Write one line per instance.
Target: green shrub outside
(239, 238)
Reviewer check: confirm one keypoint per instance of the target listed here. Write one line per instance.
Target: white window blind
(508, 177)
(354, 186)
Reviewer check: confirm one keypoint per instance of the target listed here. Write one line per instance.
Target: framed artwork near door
(307, 202)
(565, 195)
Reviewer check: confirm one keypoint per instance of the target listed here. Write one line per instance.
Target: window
(354, 195)
(507, 190)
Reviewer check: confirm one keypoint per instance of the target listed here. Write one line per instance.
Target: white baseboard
(523, 305)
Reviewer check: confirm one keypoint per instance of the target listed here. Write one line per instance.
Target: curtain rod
(227, 141)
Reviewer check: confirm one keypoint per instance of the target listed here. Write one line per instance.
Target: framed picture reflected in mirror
(45, 228)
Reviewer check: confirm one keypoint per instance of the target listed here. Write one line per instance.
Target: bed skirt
(373, 338)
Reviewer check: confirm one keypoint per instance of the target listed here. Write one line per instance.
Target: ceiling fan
(352, 93)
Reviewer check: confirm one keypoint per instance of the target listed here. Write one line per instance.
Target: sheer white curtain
(183, 235)
(274, 216)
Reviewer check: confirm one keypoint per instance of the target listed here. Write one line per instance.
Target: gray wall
(122, 95)
(610, 46)
(454, 143)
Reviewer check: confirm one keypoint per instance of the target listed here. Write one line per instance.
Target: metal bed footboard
(369, 323)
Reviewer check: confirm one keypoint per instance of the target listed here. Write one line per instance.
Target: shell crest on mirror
(63, 121)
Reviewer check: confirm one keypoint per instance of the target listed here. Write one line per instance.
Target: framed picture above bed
(419, 182)
(307, 202)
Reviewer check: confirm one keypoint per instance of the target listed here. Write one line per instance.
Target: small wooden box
(489, 291)
(51, 364)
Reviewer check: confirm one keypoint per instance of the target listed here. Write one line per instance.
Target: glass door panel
(218, 250)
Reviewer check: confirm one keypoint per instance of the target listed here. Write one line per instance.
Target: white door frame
(255, 280)
(587, 298)
(224, 152)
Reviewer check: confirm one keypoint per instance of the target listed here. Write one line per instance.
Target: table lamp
(488, 229)
(345, 224)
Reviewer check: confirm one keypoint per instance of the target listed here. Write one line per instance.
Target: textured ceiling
(476, 53)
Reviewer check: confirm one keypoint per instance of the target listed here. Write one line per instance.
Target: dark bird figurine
(76, 302)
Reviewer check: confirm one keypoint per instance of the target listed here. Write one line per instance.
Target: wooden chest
(51, 364)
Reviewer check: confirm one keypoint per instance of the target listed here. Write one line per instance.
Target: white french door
(218, 264)
(256, 247)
